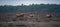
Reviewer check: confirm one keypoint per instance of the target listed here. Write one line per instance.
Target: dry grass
(10, 20)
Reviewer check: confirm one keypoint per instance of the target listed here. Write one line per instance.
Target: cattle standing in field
(31, 15)
(49, 16)
(20, 15)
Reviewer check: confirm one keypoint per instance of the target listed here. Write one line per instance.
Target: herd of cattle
(31, 15)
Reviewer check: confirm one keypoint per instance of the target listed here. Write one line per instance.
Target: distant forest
(31, 8)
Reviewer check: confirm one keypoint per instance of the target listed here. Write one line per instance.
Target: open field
(39, 20)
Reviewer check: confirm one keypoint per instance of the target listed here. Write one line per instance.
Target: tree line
(30, 8)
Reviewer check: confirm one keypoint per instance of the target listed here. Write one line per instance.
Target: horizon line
(24, 4)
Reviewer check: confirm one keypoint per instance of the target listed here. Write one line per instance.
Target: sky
(27, 2)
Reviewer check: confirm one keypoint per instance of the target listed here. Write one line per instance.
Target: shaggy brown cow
(49, 15)
(20, 15)
(31, 15)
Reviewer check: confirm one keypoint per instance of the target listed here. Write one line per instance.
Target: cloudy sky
(27, 2)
